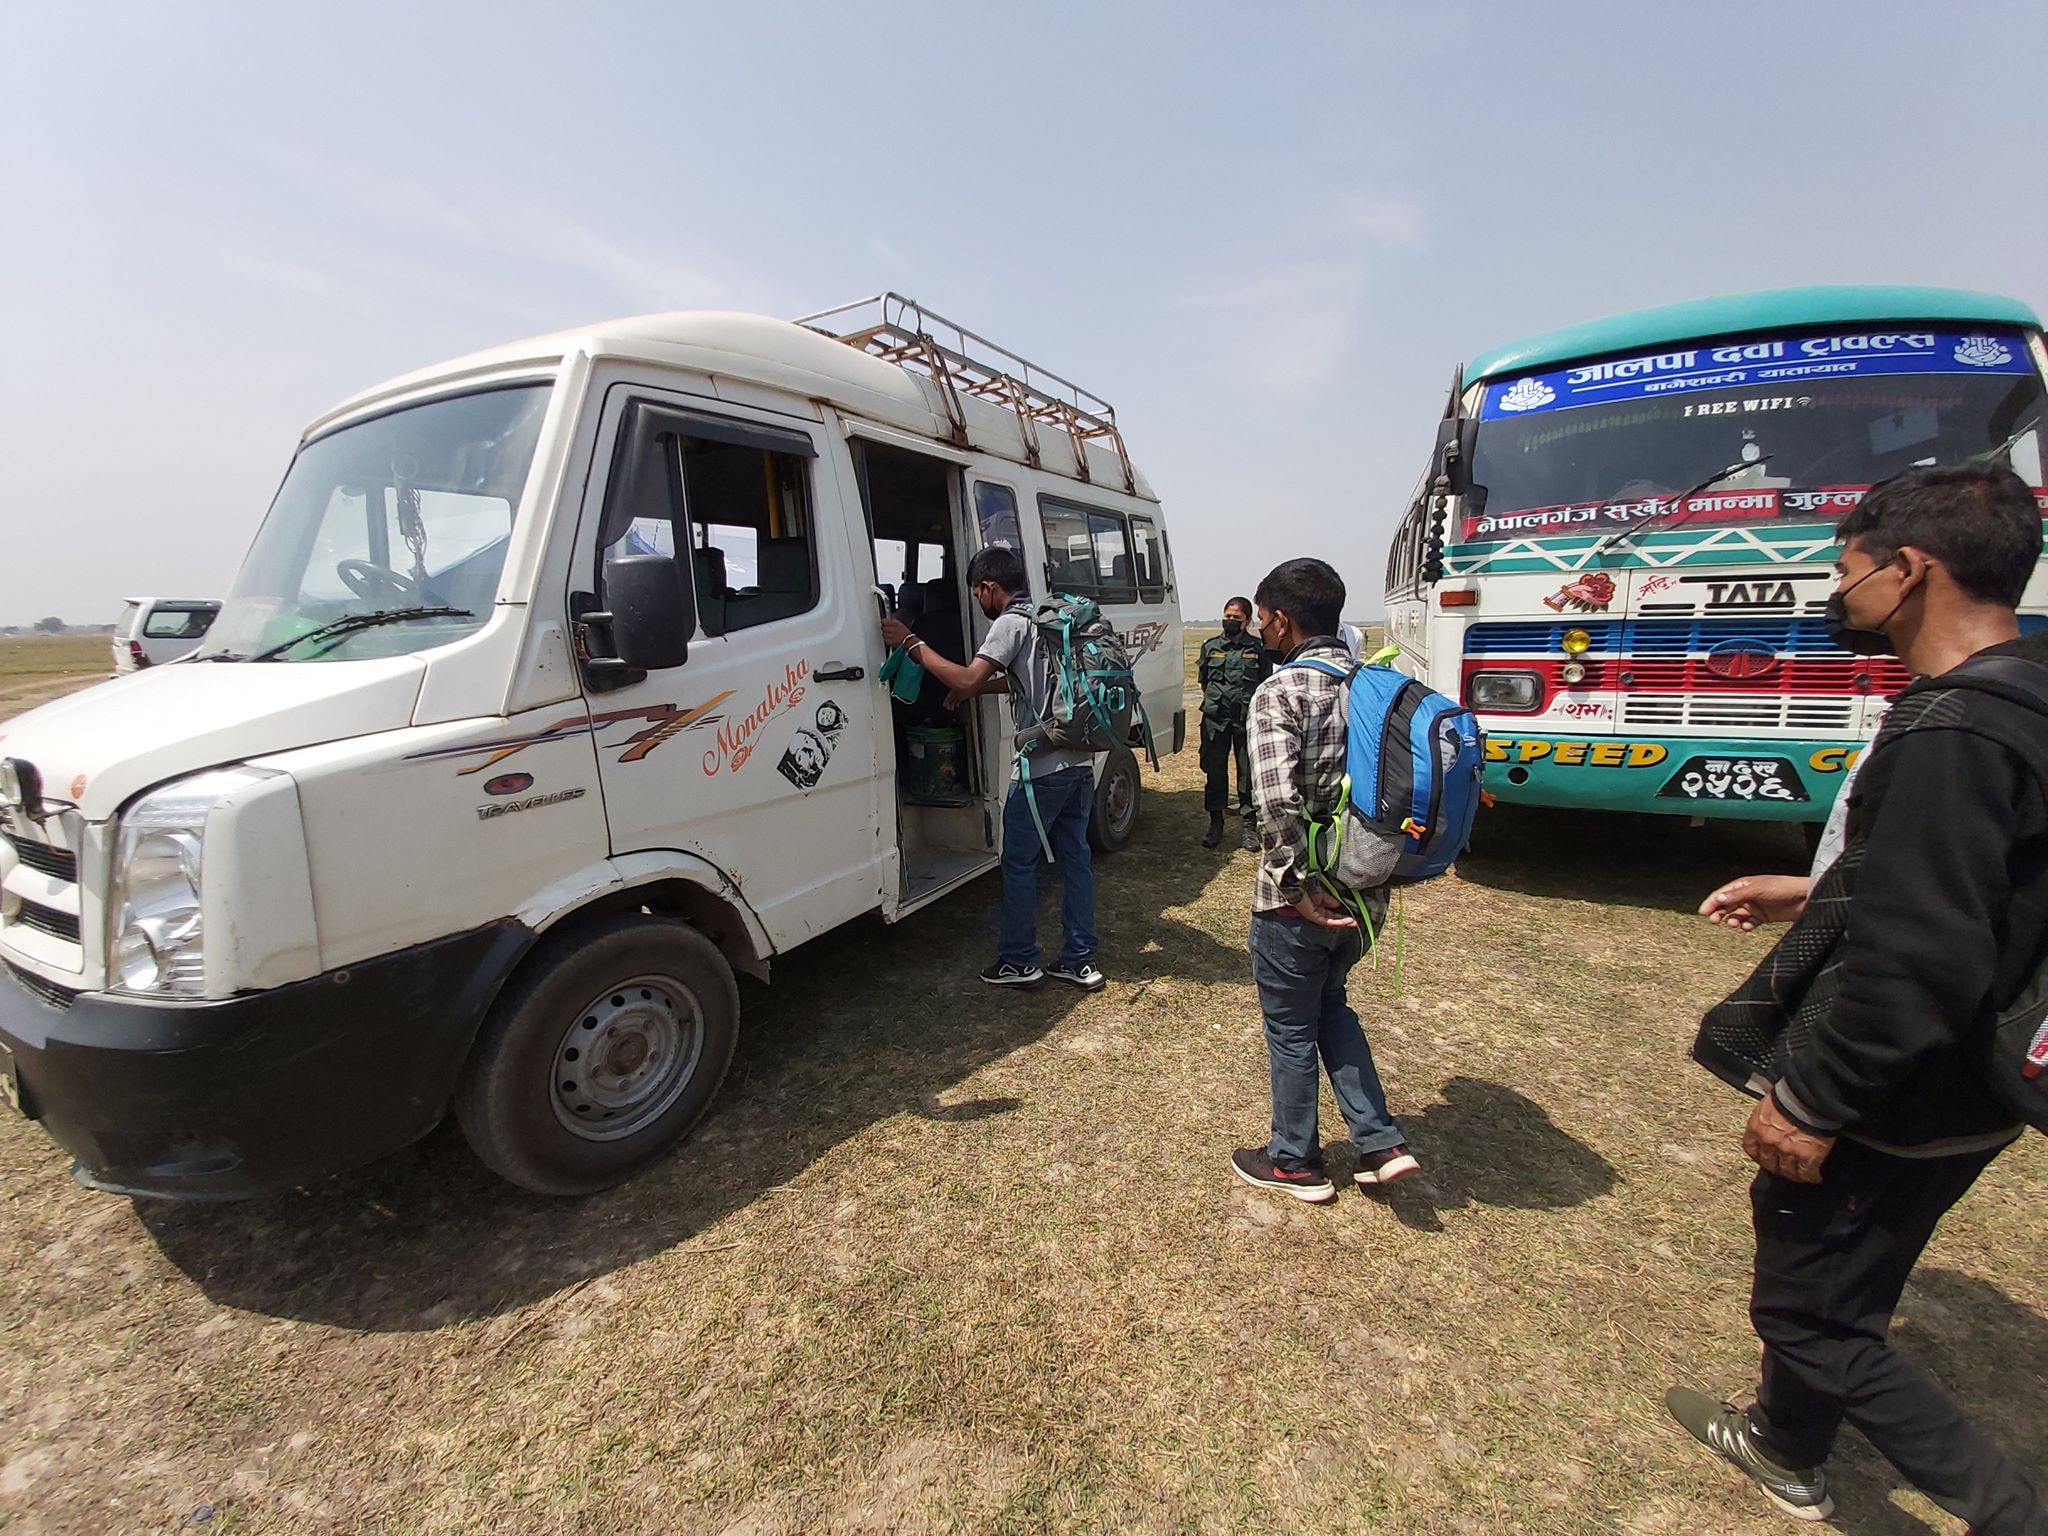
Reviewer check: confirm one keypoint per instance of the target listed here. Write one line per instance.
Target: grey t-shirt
(1012, 644)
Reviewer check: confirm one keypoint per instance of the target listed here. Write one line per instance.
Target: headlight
(1513, 693)
(156, 940)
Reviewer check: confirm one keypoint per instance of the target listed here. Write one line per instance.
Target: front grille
(48, 991)
(57, 863)
(58, 925)
(1741, 712)
(1679, 655)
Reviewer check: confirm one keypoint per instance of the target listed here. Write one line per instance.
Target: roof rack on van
(900, 331)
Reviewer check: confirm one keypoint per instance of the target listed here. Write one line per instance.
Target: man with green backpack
(1050, 800)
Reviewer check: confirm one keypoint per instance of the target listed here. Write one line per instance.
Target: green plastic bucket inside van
(937, 768)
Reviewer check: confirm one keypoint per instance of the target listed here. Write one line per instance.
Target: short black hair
(1239, 602)
(1979, 520)
(1002, 566)
(1308, 591)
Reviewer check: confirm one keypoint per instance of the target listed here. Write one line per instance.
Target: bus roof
(1736, 314)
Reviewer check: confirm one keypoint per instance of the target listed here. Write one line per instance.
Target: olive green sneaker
(1801, 1494)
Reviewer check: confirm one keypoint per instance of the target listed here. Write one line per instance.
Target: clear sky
(1265, 232)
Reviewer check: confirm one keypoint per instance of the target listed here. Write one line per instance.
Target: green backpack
(1093, 699)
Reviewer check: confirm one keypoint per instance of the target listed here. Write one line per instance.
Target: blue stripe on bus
(1668, 637)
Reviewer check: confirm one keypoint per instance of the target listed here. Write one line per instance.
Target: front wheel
(604, 1052)
(1115, 819)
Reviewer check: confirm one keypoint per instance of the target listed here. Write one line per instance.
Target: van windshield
(1598, 447)
(412, 509)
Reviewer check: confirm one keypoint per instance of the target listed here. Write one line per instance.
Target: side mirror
(650, 616)
(1456, 437)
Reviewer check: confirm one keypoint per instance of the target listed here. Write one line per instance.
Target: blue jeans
(1301, 972)
(1064, 800)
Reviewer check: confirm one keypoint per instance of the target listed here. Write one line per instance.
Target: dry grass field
(944, 1261)
(35, 668)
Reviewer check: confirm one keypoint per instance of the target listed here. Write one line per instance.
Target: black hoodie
(1946, 919)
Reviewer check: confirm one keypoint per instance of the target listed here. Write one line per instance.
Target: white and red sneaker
(1387, 1166)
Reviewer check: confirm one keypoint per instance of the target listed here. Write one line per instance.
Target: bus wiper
(1656, 519)
(349, 623)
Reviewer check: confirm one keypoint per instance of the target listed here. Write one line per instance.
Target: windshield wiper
(349, 623)
(1657, 518)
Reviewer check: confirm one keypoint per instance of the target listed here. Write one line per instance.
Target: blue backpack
(1411, 783)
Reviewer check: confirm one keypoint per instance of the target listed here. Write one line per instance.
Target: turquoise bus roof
(1776, 309)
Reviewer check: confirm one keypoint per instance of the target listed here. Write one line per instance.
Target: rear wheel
(1115, 819)
(604, 1052)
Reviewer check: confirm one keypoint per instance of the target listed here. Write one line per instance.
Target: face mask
(1853, 638)
(1233, 627)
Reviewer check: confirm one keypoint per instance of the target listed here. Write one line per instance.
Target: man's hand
(894, 631)
(1754, 899)
(1778, 1146)
(1318, 906)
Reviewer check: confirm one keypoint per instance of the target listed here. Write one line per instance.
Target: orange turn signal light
(1457, 599)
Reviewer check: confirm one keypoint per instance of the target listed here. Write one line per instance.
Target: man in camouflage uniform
(1232, 666)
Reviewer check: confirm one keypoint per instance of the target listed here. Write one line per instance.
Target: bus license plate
(1751, 779)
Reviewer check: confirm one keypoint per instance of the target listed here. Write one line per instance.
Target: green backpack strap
(1031, 805)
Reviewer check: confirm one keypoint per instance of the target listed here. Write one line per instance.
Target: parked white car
(154, 630)
(547, 698)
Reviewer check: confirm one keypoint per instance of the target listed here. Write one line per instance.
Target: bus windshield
(1598, 447)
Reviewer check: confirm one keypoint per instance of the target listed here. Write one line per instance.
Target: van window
(1148, 555)
(995, 509)
(177, 624)
(1087, 551)
(753, 548)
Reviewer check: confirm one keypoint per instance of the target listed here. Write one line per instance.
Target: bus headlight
(1506, 693)
(156, 940)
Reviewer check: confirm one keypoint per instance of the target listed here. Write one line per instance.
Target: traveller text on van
(546, 699)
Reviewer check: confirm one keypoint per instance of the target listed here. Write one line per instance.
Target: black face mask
(1853, 638)
(1233, 628)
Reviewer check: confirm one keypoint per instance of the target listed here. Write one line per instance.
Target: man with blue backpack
(1363, 778)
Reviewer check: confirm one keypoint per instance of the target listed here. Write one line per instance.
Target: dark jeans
(1219, 746)
(1301, 972)
(1831, 1259)
(1065, 800)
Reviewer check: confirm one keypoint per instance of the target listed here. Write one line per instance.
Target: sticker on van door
(665, 721)
(810, 749)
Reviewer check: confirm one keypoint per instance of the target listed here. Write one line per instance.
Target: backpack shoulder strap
(1319, 664)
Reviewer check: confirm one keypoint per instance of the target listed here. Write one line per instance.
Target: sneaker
(1081, 973)
(1801, 1494)
(1253, 1166)
(1007, 973)
(1251, 838)
(1387, 1166)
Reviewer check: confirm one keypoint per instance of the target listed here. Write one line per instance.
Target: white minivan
(546, 699)
(154, 630)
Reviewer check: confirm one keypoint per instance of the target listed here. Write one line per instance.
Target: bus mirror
(1456, 437)
(649, 613)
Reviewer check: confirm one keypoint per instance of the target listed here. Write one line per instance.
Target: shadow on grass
(1658, 862)
(1990, 1353)
(863, 1024)
(1486, 1144)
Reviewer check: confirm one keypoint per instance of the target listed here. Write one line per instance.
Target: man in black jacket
(1857, 1030)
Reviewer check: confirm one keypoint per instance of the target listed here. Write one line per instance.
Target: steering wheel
(378, 584)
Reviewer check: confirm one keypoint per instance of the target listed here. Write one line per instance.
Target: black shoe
(1253, 1166)
(1251, 836)
(1800, 1493)
(1214, 835)
(1007, 973)
(1082, 973)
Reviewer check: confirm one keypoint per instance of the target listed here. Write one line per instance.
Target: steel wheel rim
(1122, 800)
(626, 1058)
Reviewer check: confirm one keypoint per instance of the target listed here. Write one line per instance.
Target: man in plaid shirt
(1303, 942)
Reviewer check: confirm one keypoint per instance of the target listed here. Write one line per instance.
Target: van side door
(759, 754)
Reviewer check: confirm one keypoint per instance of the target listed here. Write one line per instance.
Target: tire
(1118, 796)
(603, 1052)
